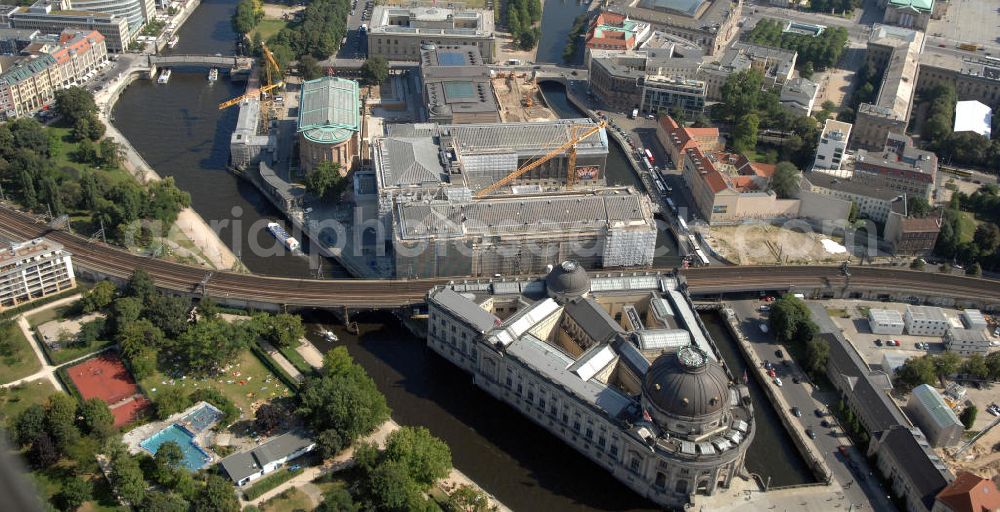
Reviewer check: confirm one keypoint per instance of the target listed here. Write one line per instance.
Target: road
(856, 482)
(373, 294)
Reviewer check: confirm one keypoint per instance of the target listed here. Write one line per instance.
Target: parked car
(796, 379)
(779, 354)
(825, 424)
(777, 381)
(878, 342)
(763, 327)
(819, 413)
(810, 433)
(796, 412)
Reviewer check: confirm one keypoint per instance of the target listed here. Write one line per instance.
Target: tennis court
(104, 377)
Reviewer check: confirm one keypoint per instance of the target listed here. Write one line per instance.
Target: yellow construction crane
(266, 88)
(579, 132)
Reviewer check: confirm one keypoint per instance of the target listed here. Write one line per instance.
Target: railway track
(361, 293)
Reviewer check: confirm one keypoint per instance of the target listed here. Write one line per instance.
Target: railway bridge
(97, 260)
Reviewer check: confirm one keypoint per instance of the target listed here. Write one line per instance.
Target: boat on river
(213, 74)
(164, 77)
(279, 232)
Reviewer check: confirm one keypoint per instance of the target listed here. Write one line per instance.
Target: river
(179, 131)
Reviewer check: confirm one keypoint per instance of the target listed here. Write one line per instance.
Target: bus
(659, 185)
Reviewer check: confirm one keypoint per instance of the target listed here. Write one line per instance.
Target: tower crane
(578, 133)
(266, 103)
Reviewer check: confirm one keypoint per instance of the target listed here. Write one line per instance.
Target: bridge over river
(208, 61)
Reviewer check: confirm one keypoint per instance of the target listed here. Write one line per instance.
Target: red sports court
(105, 377)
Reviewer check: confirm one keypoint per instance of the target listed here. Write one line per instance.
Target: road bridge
(102, 261)
(208, 61)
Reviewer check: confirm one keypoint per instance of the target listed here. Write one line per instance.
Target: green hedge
(297, 360)
(67, 383)
(269, 482)
(37, 303)
(266, 359)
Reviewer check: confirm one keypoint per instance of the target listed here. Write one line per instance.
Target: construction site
(520, 98)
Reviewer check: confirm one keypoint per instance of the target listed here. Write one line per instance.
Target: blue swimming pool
(201, 418)
(194, 457)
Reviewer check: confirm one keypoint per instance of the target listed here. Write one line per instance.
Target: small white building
(885, 321)
(973, 319)
(832, 147)
(936, 420)
(245, 467)
(966, 342)
(925, 321)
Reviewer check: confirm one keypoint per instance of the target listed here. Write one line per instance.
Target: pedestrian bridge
(209, 61)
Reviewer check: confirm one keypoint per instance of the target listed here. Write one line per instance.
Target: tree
(916, 371)
(170, 401)
(207, 309)
(976, 365)
(111, 153)
(60, 420)
(140, 286)
(247, 15)
(993, 363)
(975, 270)
(987, 238)
(329, 443)
(741, 93)
(98, 297)
(29, 425)
(343, 398)
(917, 264)
(43, 452)
(917, 206)
(268, 417)
(375, 70)
(165, 201)
(817, 354)
(309, 67)
(745, 133)
(968, 417)
(392, 488)
(425, 457)
(75, 103)
(207, 346)
(159, 501)
(337, 499)
(807, 70)
(947, 364)
(469, 499)
(139, 342)
(74, 493)
(852, 217)
(126, 476)
(86, 152)
(790, 318)
(96, 418)
(325, 181)
(785, 180)
(167, 460)
(216, 496)
(282, 330)
(168, 313)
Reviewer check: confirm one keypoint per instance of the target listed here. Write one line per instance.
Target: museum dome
(686, 384)
(567, 280)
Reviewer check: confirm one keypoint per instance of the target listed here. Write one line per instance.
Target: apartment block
(32, 270)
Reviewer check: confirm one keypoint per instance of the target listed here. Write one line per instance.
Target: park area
(247, 382)
(105, 377)
(17, 360)
(764, 244)
(15, 399)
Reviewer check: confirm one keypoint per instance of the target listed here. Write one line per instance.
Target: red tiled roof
(609, 18)
(912, 224)
(970, 493)
(713, 178)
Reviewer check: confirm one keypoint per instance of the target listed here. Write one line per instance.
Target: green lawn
(296, 359)
(15, 399)
(968, 223)
(252, 373)
(18, 360)
(67, 354)
(268, 27)
(59, 313)
(288, 501)
(838, 313)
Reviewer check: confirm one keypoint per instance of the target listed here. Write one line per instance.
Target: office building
(13, 40)
(925, 321)
(570, 353)
(32, 270)
(936, 420)
(974, 77)
(915, 473)
(456, 86)
(329, 122)
(973, 319)
(662, 94)
(48, 17)
(899, 166)
(966, 342)
(522, 234)
(895, 51)
(832, 148)
(885, 321)
(137, 12)
(872, 202)
(397, 33)
(711, 24)
(27, 86)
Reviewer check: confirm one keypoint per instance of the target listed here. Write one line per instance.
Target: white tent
(973, 116)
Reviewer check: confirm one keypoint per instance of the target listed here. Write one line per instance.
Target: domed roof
(567, 280)
(686, 383)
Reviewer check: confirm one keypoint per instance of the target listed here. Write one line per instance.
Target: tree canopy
(343, 398)
(791, 320)
(375, 70)
(785, 181)
(325, 181)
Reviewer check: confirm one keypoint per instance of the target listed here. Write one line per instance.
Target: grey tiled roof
(593, 319)
(464, 308)
(916, 463)
(410, 161)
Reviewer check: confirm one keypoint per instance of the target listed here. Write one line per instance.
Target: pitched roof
(970, 493)
(916, 463)
(408, 161)
(593, 319)
(328, 111)
(465, 309)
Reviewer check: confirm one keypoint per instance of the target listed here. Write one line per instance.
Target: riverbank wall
(813, 459)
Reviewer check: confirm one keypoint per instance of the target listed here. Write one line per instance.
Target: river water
(179, 131)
